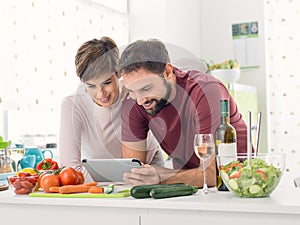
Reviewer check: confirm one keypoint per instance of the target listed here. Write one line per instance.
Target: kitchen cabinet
(283, 206)
(71, 214)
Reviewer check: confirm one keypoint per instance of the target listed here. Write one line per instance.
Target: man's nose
(140, 99)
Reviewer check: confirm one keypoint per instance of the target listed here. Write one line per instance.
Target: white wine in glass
(204, 147)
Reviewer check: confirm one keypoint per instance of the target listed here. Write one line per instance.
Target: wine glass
(16, 154)
(204, 148)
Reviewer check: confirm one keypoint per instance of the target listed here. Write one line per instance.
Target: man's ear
(168, 71)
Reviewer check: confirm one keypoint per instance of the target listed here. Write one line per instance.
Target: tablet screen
(109, 170)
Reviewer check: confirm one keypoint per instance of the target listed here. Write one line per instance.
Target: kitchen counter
(221, 207)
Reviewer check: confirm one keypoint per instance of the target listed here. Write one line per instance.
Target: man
(174, 105)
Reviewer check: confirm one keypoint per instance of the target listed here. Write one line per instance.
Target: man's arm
(155, 175)
(190, 176)
(135, 150)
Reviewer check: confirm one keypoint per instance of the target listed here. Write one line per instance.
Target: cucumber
(143, 191)
(109, 189)
(254, 189)
(233, 184)
(168, 192)
(224, 175)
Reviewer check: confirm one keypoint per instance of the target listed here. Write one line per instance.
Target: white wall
(216, 43)
(283, 48)
(203, 27)
(38, 44)
(172, 21)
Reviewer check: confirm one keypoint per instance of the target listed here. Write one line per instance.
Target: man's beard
(158, 107)
(160, 104)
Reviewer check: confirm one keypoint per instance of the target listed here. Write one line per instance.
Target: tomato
(32, 179)
(49, 180)
(39, 177)
(235, 174)
(263, 174)
(68, 176)
(80, 177)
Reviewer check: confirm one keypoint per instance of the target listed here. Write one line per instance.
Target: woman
(90, 125)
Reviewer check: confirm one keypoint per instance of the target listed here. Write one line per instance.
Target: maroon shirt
(195, 109)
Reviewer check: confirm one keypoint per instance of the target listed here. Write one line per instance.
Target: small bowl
(23, 184)
(227, 76)
(257, 180)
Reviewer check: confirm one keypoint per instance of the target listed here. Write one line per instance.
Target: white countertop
(284, 200)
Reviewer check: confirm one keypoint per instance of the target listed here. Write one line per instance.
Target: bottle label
(229, 151)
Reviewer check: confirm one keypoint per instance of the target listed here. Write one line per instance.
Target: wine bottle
(225, 140)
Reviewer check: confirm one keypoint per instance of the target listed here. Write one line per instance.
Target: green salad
(258, 180)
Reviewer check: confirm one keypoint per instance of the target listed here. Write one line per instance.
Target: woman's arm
(70, 137)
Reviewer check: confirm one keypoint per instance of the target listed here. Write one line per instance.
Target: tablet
(109, 170)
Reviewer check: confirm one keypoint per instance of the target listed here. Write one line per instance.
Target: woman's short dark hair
(96, 57)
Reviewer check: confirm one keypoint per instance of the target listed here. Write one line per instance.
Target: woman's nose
(100, 92)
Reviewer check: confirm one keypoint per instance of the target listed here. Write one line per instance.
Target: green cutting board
(79, 195)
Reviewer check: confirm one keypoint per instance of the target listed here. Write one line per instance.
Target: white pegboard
(39, 40)
(283, 48)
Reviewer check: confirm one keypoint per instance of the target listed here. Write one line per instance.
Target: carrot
(95, 189)
(54, 189)
(233, 165)
(77, 188)
(91, 184)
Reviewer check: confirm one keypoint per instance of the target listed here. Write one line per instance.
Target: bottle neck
(225, 118)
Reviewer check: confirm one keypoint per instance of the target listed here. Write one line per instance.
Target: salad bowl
(253, 177)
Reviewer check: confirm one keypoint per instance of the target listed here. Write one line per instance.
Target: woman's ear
(118, 74)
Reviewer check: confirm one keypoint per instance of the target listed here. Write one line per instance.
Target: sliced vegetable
(233, 184)
(224, 175)
(258, 180)
(263, 173)
(235, 165)
(109, 188)
(26, 170)
(235, 174)
(96, 190)
(254, 189)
